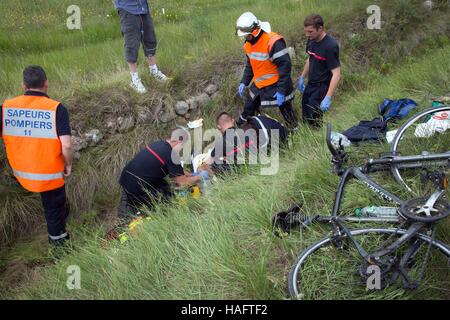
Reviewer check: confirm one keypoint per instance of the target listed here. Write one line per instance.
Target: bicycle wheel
(324, 272)
(425, 133)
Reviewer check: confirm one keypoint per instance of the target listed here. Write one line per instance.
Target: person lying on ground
(267, 128)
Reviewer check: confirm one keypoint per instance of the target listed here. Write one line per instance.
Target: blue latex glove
(204, 174)
(241, 89)
(301, 84)
(325, 105)
(280, 98)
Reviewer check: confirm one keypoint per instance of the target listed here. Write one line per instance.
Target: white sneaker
(137, 85)
(158, 75)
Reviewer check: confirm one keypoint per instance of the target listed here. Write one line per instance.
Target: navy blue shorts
(137, 29)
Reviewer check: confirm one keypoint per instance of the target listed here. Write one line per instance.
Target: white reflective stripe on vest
(260, 56)
(29, 123)
(264, 129)
(279, 54)
(274, 102)
(265, 77)
(38, 176)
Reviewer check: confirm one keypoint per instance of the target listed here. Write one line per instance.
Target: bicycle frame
(383, 164)
(360, 173)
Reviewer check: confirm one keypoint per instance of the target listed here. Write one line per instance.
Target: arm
(305, 69)
(334, 81)
(185, 181)
(67, 150)
(248, 73)
(281, 58)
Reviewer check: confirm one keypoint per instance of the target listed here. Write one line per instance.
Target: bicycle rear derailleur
(386, 272)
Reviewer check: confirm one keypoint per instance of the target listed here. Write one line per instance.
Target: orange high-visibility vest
(32, 145)
(265, 72)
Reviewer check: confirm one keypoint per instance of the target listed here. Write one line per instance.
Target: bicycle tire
(400, 135)
(293, 286)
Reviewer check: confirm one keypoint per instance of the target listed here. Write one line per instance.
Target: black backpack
(373, 131)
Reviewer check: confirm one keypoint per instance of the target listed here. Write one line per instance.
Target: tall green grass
(197, 45)
(221, 246)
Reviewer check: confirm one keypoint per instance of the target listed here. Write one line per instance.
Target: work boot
(59, 247)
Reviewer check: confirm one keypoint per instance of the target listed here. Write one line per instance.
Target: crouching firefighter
(143, 179)
(267, 72)
(37, 137)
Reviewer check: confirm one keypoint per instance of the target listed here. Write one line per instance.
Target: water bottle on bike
(378, 212)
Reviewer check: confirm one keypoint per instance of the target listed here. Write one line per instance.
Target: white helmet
(246, 23)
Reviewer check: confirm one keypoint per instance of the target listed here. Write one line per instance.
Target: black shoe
(59, 247)
(59, 242)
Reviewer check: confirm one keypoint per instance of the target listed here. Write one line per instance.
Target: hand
(241, 89)
(301, 84)
(204, 174)
(203, 167)
(280, 98)
(325, 105)
(67, 171)
(188, 174)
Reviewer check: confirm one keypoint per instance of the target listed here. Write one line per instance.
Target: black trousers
(56, 211)
(133, 198)
(252, 107)
(312, 97)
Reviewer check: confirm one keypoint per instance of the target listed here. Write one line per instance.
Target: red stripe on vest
(156, 155)
(246, 145)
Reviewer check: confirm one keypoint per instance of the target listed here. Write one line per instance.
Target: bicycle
(394, 252)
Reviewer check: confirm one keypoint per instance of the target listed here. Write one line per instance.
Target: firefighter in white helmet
(268, 70)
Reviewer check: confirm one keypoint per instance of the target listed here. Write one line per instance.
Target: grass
(220, 247)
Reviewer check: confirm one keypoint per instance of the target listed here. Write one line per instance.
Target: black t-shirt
(62, 116)
(266, 123)
(147, 170)
(323, 57)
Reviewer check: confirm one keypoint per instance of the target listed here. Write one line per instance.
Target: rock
(202, 100)
(167, 112)
(428, 4)
(193, 104)
(125, 123)
(111, 125)
(211, 89)
(143, 115)
(78, 143)
(77, 155)
(181, 121)
(93, 137)
(187, 116)
(181, 107)
(215, 95)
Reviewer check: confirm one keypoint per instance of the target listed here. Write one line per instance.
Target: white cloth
(439, 122)
(337, 138)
